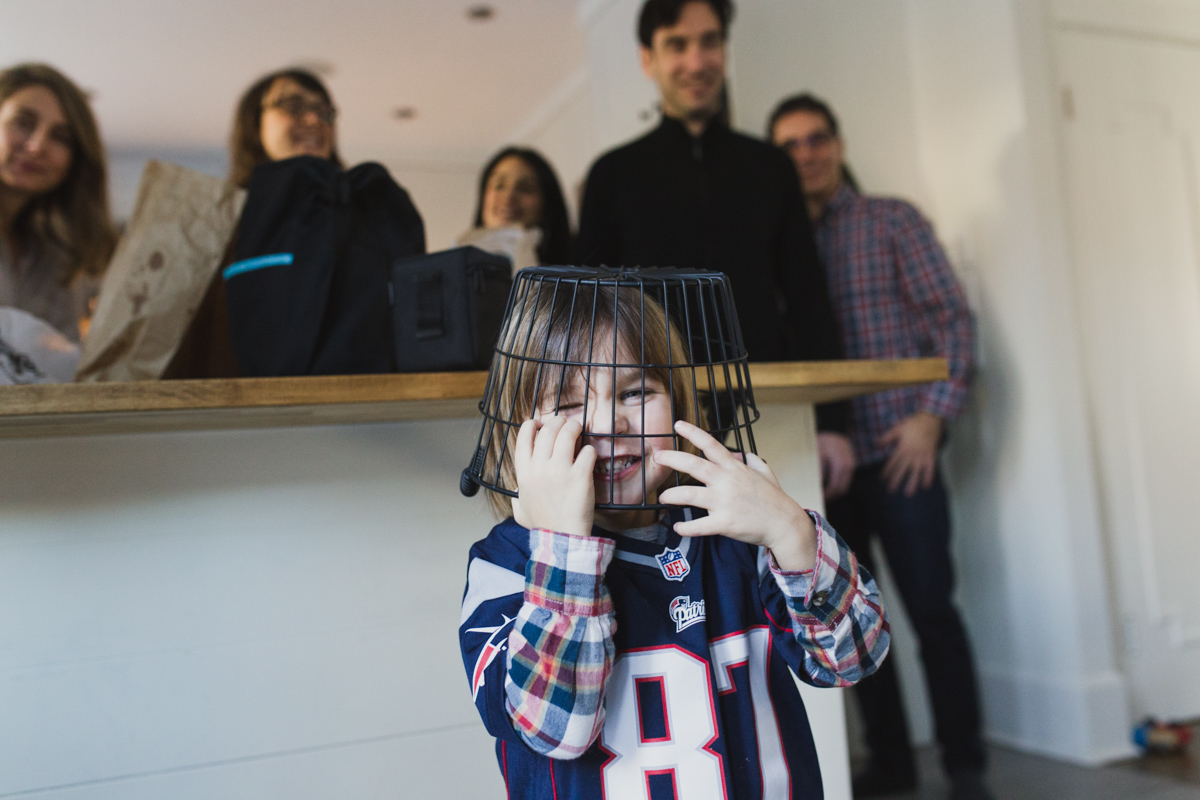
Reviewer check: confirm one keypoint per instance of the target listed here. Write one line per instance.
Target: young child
(632, 653)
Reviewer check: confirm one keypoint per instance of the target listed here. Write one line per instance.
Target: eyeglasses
(815, 140)
(296, 107)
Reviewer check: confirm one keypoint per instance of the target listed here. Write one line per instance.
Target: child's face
(638, 411)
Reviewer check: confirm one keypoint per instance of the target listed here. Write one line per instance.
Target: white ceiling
(166, 74)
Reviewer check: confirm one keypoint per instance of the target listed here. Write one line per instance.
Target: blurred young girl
(520, 210)
(619, 653)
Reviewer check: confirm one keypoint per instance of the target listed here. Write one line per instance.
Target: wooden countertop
(77, 409)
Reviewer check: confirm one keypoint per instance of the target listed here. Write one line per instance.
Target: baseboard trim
(1084, 721)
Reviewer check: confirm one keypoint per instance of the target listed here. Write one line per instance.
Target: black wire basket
(569, 328)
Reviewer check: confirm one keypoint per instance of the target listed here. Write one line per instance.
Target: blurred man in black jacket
(694, 194)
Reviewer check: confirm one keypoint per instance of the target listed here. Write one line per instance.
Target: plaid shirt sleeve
(560, 650)
(939, 308)
(837, 615)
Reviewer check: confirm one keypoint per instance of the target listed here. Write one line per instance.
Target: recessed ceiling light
(480, 13)
(404, 113)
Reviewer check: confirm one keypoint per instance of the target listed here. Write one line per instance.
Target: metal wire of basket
(562, 323)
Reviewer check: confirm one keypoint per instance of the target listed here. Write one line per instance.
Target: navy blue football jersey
(700, 703)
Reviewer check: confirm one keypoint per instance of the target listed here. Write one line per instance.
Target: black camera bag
(447, 309)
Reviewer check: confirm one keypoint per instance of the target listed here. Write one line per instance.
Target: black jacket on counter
(723, 202)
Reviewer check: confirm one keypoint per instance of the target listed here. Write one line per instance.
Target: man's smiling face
(687, 61)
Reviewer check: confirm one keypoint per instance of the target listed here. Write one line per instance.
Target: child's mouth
(614, 469)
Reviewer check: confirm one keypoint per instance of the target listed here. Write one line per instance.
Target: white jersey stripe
(486, 581)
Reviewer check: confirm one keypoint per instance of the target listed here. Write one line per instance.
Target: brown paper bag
(174, 243)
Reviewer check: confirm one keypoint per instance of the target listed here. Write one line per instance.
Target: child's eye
(564, 407)
(634, 395)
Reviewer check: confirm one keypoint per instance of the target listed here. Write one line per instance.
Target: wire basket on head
(608, 347)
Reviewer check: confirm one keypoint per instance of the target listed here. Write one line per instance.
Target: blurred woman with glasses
(284, 114)
(56, 234)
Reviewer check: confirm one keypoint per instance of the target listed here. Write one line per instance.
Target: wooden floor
(1018, 776)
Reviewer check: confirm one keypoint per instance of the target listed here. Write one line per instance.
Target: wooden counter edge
(56, 409)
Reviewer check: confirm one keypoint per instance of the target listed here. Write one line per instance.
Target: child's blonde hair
(554, 335)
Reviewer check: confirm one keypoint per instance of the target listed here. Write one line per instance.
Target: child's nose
(606, 420)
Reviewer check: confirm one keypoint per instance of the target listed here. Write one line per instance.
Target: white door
(1131, 109)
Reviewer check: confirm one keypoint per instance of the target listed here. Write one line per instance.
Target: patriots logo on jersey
(494, 647)
(685, 612)
(674, 564)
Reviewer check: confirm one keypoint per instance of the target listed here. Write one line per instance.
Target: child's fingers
(523, 449)
(712, 449)
(543, 445)
(761, 467)
(564, 441)
(705, 526)
(586, 460)
(684, 496)
(693, 465)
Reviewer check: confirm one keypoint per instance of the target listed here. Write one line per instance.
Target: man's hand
(913, 461)
(837, 463)
(554, 486)
(743, 499)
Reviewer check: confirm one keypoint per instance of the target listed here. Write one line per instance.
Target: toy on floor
(1162, 738)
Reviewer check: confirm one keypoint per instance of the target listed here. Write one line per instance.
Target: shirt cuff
(944, 399)
(565, 573)
(822, 594)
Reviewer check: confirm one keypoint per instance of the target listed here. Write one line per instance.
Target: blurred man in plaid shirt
(895, 296)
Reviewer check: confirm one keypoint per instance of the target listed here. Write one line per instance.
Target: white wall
(239, 614)
(445, 196)
(1032, 538)
(853, 55)
(125, 166)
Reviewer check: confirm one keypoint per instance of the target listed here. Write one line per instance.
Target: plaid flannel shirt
(895, 296)
(561, 649)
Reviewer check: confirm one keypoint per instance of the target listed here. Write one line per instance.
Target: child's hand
(554, 486)
(743, 499)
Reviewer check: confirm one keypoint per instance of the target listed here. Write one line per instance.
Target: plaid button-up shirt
(895, 296)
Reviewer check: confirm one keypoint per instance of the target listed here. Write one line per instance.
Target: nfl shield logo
(673, 564)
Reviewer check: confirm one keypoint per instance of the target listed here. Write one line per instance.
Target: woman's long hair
(73, 216)
(555, 248)
(245, 142)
